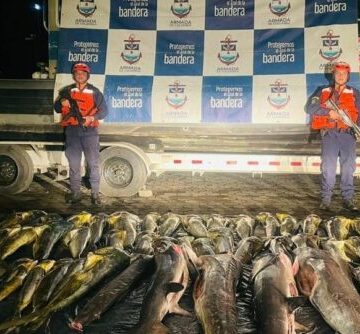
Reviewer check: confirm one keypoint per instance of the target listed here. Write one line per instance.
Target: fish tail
(76, 326)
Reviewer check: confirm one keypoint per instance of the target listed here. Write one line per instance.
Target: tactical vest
(346, 102)
(86, 102)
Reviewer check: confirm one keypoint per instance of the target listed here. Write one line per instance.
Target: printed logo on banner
(278, 97)
(87, 14)
(176, 96)
(328, 44)
(325, 12)
(227, 99)
(181, 8)
(176, 100)
(133, 14)
(280, 51)
(279, 7)
(229, 14)
(279, 14)
(179, 53)
(79, 45)
(180, 14)
(86, 7)
(331, 49)
(131, 53)
(228, 54)
(128, 98)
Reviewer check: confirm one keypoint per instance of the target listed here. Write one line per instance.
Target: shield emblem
(131, 53)
(181, 8)
(176, 97)
(331, 49)
(86, 8)
(228, 54)
(279, 7)
(278, 97)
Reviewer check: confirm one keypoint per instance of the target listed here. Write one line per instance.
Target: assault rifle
(344, 117)
(74, 108)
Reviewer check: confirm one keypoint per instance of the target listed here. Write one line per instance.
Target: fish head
(165, 244)
(310, 224)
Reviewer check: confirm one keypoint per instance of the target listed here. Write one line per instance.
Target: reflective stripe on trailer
(236, 163)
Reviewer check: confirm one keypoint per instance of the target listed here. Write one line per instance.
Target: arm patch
(315, 100)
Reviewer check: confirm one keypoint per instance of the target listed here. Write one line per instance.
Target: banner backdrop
(208, 61)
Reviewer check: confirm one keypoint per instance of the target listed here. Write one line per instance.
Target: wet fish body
(329, 288)
(169, 283)
(273, 285)
(113, 291)
(16, 278)
(49, 283)
(194, 225)
(31, 283)
(214, 293)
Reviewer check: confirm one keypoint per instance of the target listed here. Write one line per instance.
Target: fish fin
(302, 328)
(295, 302)
(191, 255)
(179, 310)
(174, 287)
(159, 328)
(76, 326)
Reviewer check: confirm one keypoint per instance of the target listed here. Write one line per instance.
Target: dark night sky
(23, 39)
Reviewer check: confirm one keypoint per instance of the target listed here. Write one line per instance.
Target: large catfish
(114, 291)
(274, 285)
(214, 291)
(327, 282)
(170, 281)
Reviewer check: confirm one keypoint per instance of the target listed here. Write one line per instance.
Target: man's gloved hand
(88, 120)
(334, 115)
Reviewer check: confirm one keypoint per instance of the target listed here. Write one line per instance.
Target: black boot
(350, 205)
(73, 198)
(95, 199)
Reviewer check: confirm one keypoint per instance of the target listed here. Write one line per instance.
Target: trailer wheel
(122, 172)
(16, 170)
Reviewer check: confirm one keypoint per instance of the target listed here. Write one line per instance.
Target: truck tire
(16, 170)
(122, 172)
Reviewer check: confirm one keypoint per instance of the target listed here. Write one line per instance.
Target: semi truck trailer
(242, 111)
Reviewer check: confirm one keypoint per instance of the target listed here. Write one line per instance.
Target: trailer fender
(123, 170)
(16, 169)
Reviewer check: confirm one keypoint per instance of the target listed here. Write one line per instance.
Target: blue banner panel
(128, 98)
(327, 12)
(279, 51)
(179, 53)
(79, 45)
(229, 14)
(227, 99)
(133, 14)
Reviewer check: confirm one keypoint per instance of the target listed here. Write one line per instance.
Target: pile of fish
(270, 273)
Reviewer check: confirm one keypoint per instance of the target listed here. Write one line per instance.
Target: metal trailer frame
(126, 167)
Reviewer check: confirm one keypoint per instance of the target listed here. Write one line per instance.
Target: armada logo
(176, 97)
(279, 7)
(228, 54)
(331, 49)
(86, 7)
(278, 97)
(181, 8)
(131, 53)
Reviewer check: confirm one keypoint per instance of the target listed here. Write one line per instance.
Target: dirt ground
(226, 194)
